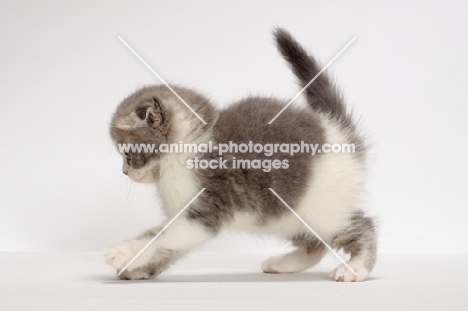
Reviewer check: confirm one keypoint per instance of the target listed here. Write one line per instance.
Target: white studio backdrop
(63, 72)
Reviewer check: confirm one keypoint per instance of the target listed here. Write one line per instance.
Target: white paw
(276, 266)
(136, 274)
(343, 274)
(120, 254)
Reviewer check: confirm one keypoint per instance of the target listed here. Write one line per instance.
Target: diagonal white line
(313, 79)
(160, 232)
(313, 231)
(159, 77)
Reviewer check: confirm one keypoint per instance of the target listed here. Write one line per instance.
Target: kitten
(323, 189)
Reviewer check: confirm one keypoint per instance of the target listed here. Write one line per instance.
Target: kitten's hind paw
(344, 274)
(277, 266)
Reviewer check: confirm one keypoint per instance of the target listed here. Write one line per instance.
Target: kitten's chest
(177, 184)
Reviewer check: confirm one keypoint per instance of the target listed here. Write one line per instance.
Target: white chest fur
(177, 184)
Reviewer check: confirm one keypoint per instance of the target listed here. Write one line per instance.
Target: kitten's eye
(129, 157)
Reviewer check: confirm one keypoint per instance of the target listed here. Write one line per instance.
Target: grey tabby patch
(246, 190)
(239, 197)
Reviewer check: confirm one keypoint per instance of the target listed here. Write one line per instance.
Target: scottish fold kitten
(323, 189)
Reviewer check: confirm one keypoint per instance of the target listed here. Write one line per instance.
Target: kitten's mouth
(135, 179)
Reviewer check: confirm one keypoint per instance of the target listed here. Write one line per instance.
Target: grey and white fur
(323, 189)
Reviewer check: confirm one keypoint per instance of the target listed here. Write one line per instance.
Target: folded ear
(153, 118)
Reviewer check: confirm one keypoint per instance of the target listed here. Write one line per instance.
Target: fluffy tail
(321, 95)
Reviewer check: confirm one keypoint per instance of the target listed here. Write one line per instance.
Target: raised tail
(322, 94)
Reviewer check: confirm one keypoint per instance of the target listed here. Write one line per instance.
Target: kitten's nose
(125, 172)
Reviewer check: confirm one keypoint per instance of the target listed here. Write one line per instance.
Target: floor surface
(227, 281)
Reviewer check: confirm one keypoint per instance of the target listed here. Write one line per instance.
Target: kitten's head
(151, 116)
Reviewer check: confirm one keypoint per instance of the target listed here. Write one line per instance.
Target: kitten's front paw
(343, 274)
(120, 254)
(135, 274)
